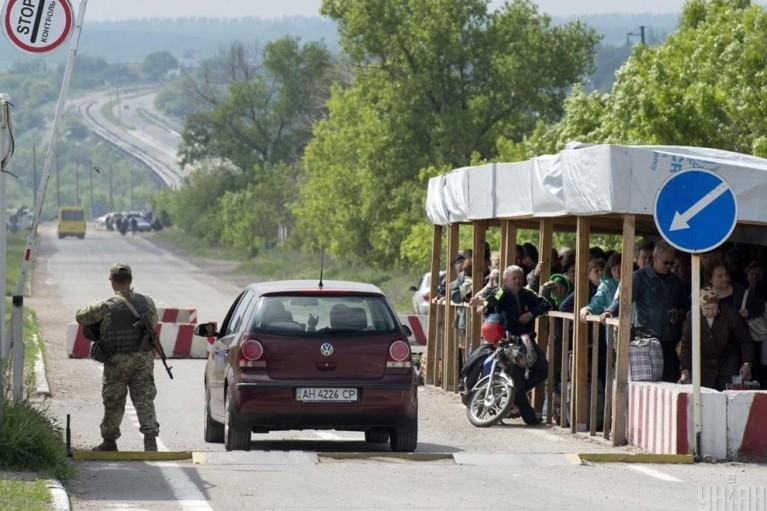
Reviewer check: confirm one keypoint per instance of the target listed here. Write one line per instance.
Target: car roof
(281, 286)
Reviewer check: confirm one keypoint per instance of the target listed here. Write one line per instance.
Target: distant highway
(140, 130)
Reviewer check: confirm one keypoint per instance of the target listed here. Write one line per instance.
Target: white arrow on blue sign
(695, 210)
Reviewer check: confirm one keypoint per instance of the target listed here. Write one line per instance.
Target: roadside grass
(31, 442)
(284, 264)
(19, 494)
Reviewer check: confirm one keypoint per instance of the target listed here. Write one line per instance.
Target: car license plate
(324, 395)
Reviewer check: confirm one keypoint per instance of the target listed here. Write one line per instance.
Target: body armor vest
(121, 333)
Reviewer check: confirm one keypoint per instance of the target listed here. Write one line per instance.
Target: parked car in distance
(294, 355)
(422, 293)
(142, 225)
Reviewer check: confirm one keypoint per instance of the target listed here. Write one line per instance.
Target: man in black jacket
(520, 306)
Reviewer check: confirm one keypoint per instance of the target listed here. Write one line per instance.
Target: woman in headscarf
(726, 348)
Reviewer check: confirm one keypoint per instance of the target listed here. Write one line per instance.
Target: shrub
(30, 440)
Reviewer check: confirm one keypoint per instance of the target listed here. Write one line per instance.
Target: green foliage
(252, 217)
(158, 63)
(193, 207)
(22, 495)
(432, 86)
(30, 440)
(705, 86)
(266, 113)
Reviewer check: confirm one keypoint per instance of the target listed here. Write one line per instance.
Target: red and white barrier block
(174, 315)
(418, 324)
(746, 419)
(177, 340)
(661, 419)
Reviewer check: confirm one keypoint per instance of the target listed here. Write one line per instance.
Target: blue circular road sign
(695, 210)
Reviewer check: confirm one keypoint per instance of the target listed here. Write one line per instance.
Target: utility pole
(77, 182)
(58, 187)
(90, 175)
(132, 207)
(111, 196)
(634, 34)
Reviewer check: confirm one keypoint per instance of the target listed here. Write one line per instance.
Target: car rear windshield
(72, 215)
(320, 315)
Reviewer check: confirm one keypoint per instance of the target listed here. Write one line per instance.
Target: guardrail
(166, 174)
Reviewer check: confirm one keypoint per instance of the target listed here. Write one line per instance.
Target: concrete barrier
(746, 419)
(661, 419)
(175, 315)
(418, 324)
(177, 340)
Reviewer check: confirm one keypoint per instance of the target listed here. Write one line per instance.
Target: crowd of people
(733, 292)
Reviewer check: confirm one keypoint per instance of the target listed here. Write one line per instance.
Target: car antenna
(322, 265)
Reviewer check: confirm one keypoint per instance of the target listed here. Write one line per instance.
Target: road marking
(187, 494)
(657, 474)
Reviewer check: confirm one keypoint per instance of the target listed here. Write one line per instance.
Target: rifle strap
(129, 305)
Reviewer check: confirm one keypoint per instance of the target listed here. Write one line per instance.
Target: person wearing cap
(131, 364)
(726, 348)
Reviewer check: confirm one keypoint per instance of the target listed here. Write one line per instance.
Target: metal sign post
(5, 131)
(17, 313)
(696, 211)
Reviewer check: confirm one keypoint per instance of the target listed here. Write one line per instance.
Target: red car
(302, 354)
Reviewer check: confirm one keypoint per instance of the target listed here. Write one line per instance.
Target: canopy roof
(593, 180)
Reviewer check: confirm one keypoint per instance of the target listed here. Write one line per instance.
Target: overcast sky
(114, 10)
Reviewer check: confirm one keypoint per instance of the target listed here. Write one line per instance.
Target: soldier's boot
(150, 443)
(106, 445)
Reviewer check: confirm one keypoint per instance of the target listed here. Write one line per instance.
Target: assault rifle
(151, 335)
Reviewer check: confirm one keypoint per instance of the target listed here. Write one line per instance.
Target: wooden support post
(508, 244)
(431, 336)
(612, 334)
(449, 353)
(620, 398)
(545, 235)
(566, 385)
(473, 320)
(580, 330)
(593, 402)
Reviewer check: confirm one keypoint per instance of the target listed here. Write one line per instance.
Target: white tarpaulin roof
(589, 180)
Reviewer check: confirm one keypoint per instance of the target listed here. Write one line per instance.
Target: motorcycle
(489, 400)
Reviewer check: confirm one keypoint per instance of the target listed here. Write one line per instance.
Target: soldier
(131, 364)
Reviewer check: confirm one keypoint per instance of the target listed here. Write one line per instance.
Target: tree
(157, 64)
(266, 114)
(433, 85)
(703, 87)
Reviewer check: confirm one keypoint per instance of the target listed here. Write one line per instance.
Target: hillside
(185, 38)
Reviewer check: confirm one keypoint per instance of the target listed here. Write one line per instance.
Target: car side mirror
(413, 288)
(206, 330)
(407, 330)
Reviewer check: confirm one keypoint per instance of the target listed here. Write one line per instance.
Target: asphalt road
(456, 466)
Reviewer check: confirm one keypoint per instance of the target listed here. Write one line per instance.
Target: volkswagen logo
(326, 349)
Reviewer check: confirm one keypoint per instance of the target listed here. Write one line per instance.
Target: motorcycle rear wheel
(485, 411)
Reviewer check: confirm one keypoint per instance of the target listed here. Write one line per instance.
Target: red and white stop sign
(38, 27)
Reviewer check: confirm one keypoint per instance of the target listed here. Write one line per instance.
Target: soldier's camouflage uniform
(130, 368)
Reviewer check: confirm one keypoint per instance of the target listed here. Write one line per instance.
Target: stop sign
(38, 27)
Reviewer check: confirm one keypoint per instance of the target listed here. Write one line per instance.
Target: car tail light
(399, 355)
(426, 296)
(251, 353)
